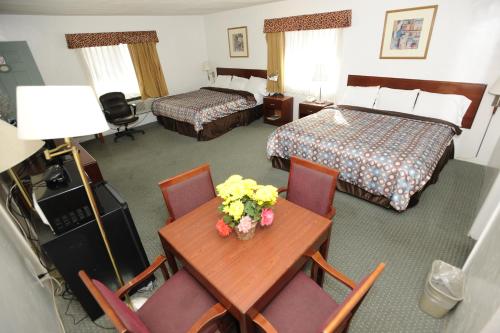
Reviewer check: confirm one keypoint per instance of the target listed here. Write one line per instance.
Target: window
(311, 62)
(111, 69)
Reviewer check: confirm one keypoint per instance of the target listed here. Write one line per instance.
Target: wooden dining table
(244, 276)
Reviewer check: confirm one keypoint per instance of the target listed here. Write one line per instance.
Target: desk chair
(119, 113)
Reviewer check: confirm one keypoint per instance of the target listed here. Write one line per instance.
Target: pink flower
(267, 217)
(223, 229)
(245, 224)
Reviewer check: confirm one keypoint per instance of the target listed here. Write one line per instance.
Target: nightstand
(278, 110)
(307, 108)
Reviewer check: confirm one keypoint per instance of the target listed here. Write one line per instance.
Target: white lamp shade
(12, 150)
(53, 112)
(321, 73)
(495, 88)
(206, 66)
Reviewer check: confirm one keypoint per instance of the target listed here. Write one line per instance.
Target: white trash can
(444, 288)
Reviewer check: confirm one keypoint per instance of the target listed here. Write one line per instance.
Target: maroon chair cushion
(348, 297)
(301, 307)
(128, 317)
(176, 305)
(310, 188)
(185, 196)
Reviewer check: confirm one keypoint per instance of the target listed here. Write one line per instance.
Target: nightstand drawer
(272, 104)
(306, 109)
(278, 110)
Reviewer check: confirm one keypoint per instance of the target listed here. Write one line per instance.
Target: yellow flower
(235, 209)
(249, 186)
(234, 179)
(266, 195)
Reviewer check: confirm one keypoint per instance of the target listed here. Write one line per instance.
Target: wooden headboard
(473, 91)
(241, 72)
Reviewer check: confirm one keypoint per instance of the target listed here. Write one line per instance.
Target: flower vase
(246, 235)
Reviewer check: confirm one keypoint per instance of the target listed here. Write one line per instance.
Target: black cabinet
(82, 248)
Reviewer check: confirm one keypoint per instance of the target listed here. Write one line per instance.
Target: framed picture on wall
(238, 42)
(407, 33)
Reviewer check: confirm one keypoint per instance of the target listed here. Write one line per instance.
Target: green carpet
(363, 234)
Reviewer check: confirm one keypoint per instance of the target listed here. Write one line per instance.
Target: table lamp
(494, 90)
(321, 76)
(206, 68)
(273, 79)
(13, 152)
(53, 112)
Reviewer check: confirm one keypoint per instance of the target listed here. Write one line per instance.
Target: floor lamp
(494, 90)
(13, 151)
(52, 112)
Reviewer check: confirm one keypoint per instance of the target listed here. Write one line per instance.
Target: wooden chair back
(312, 185)
(340, 319)
(186, 191)
(103, 302)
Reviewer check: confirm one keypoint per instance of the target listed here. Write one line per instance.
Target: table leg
(318, 274)
(100, 137)
(246, 324)
(170, 257)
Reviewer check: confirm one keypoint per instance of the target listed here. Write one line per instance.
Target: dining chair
(311, 186)
(181, 304)
(302, 306)
(186, 191)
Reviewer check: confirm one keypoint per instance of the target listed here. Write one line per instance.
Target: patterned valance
(331, 20)
(76, 41)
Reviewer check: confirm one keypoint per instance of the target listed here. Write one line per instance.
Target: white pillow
(256, 85)
(447, 107)
(222, 81)
(238, 83)
(359, 96)
(398, 100)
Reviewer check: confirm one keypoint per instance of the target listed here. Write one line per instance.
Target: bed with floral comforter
(384, 157)
(203, 106)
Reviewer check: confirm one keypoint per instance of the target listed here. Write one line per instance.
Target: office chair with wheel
(119, 113)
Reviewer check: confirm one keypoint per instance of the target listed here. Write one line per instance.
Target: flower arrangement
(245, 204)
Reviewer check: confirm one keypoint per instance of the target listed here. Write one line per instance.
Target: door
(21, 70)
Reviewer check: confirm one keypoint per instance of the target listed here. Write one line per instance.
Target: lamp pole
(66, 148)
(496, 103)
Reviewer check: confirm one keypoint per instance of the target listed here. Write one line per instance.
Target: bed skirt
(342, 186)
(214, 128)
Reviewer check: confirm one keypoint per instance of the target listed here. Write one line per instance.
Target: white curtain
(111, 69)
(311, 62)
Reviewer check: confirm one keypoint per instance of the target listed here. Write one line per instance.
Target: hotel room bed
(384, 157)
(387, 158)
(210, 111)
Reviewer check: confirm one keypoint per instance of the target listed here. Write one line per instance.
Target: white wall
(25, 304)
(465, 46)
(482, 286)
(181, 48)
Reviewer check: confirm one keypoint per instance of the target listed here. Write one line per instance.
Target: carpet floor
(363, 234)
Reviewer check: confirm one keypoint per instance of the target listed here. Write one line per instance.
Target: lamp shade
(53, 112)
(273, 77)
(321, 73)
(13, 150)
(495, 88)
(206, 66)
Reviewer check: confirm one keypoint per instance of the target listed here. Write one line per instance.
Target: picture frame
(238, 42)
(407, 32)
